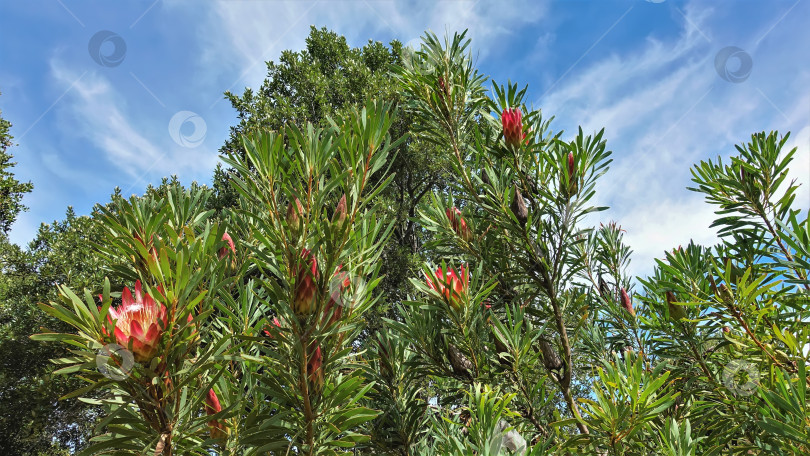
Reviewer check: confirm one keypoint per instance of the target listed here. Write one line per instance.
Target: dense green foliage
(396, 261)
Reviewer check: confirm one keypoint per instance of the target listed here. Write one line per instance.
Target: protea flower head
(571, 165)
(512, 122)
(339, 217)
(458, 223)
(627, 303)
(451, 286)
(305, 284)
(224, 250)
(212, 407)
(139, 321)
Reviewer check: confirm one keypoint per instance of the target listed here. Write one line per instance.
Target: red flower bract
(212, 406)
(224, 250)
(450, 285)
(512, 122)
(139, 321)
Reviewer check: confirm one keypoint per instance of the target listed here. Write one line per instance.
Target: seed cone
(725, 294)
(295, 213)
(519, 207)
(460, 363)
(676, 312)
(604, 290)
(551, 359)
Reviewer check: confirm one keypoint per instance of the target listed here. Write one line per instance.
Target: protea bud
(458, 223)
(725, 294)
(460, 363)
(676, 312)
(315, 367)
(519, 207)
(339, 217)
(305, 284)
(139, 321)
(212, 406)
(451, 286)
(512, 122)
(551, 360)
(224, 250)
(295, 215)
(573, 180)
(726, 329)
(627, 303)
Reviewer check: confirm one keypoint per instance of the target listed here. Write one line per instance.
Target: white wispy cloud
(664, 108)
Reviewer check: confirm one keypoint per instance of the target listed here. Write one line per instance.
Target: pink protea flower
(305, 286)
(458, 223)
(224, 250)
(140, 321)
(512, 121)
(212, 407)
(450, 285)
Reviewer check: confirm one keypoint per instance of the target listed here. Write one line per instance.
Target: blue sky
(89, 117)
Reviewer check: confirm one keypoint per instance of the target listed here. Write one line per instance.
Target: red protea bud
(212, 407)
(295, 214)
(458, 223)
(451, 286)
(519, 207)
(314, 367)
(339, 217)
(676, 312)
(442, 87)
(305, 286)
(571, 168)
(511, 120)
(224, 250)
(627, 303)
